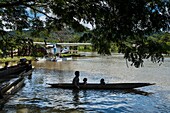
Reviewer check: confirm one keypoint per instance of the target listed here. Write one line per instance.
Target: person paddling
(75, 81)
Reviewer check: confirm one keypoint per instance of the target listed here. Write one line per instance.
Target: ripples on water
(36, 96)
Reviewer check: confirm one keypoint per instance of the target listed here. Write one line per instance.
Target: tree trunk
(12, 55)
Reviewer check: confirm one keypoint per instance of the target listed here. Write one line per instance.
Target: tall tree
(127, 23)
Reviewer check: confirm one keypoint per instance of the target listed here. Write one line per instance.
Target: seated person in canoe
(6, 65)
(75, 81)
(102, 82)
(84, 81)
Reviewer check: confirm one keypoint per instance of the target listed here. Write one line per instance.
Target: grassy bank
(70, 55)
(15, 59)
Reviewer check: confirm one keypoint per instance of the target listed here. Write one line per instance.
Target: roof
(73, 44)
(65, 44)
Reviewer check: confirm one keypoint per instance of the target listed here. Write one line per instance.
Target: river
(37, 97)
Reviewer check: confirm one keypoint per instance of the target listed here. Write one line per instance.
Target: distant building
(54, 48)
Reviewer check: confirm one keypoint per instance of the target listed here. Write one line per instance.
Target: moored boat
(25, 73)
(11, 71)
(10, 88)
(99, 86)
(59, 59)
(28, 73)
(14, 71)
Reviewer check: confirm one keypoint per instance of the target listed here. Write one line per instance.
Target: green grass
(70, 54)
(15, 59)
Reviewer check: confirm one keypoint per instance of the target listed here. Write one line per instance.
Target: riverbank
(15, 59)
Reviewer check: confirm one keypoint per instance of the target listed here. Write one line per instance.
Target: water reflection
(140, 92)
(106, 99)
(76, 96)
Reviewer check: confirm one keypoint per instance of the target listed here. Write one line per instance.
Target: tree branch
(25, 3)
(38, 11)
(12, 4)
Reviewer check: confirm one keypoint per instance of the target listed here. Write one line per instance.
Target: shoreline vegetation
(15, 59)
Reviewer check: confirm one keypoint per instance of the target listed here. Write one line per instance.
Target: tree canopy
(128, 23)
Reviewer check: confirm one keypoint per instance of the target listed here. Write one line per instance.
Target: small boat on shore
(14, 71)
(110, 86)
(28, 73)
(11, 71)
(9, 88)
(25, 73)
(59, 59)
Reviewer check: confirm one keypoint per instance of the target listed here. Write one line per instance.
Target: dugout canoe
(99, 86)
(13, 70)
(59, 59)
(10, 88)
(25, 73)
(16, 71)
(5, 73)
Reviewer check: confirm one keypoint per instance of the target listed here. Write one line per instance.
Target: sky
(43, 18)
(88, 25)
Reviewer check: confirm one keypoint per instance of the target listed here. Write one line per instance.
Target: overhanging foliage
(128, 23)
